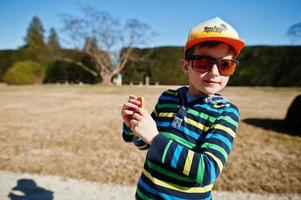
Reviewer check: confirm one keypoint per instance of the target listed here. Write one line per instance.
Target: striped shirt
(194, 141)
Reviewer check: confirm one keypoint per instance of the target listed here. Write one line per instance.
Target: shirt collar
(215, 99)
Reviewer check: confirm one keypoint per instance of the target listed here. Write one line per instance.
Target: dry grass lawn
(75, 132)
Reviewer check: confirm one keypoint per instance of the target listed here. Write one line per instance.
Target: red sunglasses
(226, 67)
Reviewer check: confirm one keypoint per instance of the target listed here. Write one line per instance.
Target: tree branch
(122, 61)
(81, 65)
(98, 56)
(104, 37)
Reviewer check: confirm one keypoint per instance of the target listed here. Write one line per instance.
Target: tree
(294, 32)
(35, 34)
(106, 40)
(53, 39)
(35, 48)
(53, 44)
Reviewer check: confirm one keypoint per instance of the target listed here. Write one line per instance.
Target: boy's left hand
(143, 125)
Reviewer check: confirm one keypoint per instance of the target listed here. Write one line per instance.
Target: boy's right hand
(128, 109)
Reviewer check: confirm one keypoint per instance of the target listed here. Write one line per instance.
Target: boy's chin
(201, 89)
(204, 91)
(211, 90)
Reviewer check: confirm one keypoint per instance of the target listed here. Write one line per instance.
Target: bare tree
(294, 32)
(105, 39)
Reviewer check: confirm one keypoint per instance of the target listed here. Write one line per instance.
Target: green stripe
(201, 168)
(143, 196)
(127, 130)
(143, 147)
(174, 93)
(217, 148)
(168, 173)
(212, 119)
(165, 151)
(229, 119)
(167, 105)
(178, 139)
(201, 115)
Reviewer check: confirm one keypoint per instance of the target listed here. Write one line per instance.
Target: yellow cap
(214, 29)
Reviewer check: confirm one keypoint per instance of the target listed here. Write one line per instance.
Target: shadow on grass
(27, 189)
(277, 125)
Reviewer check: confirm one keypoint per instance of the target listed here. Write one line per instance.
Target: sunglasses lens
(202, 65)
(227, 67)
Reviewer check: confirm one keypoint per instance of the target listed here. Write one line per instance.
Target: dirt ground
(45, 187)
(75, 132)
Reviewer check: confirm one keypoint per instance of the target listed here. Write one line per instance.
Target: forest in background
(259, 66)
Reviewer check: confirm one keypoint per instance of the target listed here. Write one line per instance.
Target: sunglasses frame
(214, 61)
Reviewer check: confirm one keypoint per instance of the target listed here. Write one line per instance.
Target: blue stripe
(164, 124)
(212, 170)
(219, 111)
(168, 98)
(183, 129)
(232, 110)
(138, 142)
(190, 132)
(155, 192)
(209, 198)
(176, 156)
(126, 130)
(221, 138)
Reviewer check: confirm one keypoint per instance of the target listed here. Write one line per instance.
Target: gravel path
(15, 186)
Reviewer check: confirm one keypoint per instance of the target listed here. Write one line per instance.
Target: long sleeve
(127, 134)
(204, 163)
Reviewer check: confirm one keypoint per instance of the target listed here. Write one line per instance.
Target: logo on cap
(218, 29)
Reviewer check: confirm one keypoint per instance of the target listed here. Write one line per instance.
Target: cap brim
(237, 44)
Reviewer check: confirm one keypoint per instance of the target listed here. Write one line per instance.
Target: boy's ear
(185, 65)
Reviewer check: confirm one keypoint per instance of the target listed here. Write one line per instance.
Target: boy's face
(209, 82)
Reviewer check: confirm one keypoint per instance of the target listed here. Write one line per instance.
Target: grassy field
(75, 132)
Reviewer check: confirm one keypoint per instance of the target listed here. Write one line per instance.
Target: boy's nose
(214, 70)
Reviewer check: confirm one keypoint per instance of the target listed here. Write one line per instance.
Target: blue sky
(259, 22)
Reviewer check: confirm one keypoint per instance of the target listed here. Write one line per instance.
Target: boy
(190, 133)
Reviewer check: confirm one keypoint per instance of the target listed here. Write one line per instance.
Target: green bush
(24, 72)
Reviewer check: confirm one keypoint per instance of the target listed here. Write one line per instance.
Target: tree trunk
(106, 79)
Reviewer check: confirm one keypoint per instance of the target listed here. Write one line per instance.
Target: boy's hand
(143, 125)
(128, 109)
